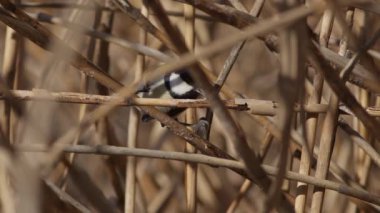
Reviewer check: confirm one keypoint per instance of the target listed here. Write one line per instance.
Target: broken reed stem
(253, 106)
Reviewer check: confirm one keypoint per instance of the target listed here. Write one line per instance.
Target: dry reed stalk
(122, 42)
(233, 130)
(200, 78)
(360, 76)
(292, 52)
(66, 198)
(133, 127)
(8, 203)
(148, 51)
(326, 146)
(93, 71)
(191, 117)
(331, 115)
(271, 40)
(253, 106)
(60, 5)
(238, 5)
(32, 203)
(83, 89)
(341, 90)
(335, 170)
(104, 129)
(230, 61)
(312, 119)
(364, 75)
(318, 198)
(247, 184)
(17, 168)
(191, 170)
(130, 182)
(362, 160)
(159, 202)
(16, 73)
(361, 142)
(213, 161)
(311, 130)
(343, 46)
(8, 65)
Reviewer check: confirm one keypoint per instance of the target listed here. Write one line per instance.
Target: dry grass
(290, 99)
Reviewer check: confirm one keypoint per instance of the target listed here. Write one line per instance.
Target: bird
(175, 85)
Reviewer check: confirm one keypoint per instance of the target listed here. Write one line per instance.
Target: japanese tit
(176, 85)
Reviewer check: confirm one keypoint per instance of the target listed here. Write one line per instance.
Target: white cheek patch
(179, 86)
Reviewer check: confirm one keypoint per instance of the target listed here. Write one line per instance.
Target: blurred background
(98, 182)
